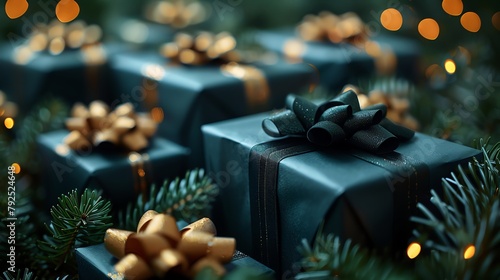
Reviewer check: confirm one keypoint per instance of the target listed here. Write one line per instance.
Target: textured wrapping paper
(96, 263)
(73, 75)
(340, 64)
(118, 175)
(354, 193)
(190, 96)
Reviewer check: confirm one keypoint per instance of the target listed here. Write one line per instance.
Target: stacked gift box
(197, 102)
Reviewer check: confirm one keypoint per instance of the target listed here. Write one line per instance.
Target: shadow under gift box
(341, 64)
(190, 96)
(96, 263)
(74, 75)
(121, 176)
(365, 197)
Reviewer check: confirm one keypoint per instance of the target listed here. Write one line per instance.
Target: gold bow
(397, 105)
(347, 28)
(96, 125)
(176, 13)
(7, 109)
(56, 36)
(201, 49)
(158, 248)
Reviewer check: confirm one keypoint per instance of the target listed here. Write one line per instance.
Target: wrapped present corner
(62, 60)
(159, 250)
(113, 151)
(352, 171)
(198, 80)
(343, 50)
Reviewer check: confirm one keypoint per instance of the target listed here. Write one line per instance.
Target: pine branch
(75, 223)
(467, 218)
(331, 259)
(25, 275)
(187, 199)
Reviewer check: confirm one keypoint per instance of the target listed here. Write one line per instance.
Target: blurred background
(456, 96)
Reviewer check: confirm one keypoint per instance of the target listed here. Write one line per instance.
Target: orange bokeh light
(453, 7)
(495, 20)
(471, 22)
(428, 28)
(67, 10)
(391, 19)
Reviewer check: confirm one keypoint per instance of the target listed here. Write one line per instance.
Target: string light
(428, 28)
(471, 22)
(391, 19)
(450, 66)
(16, 8)
(67, 10)
(413, 250)
(453, 7)
(17, 168)
(9, 123)
(469, 252)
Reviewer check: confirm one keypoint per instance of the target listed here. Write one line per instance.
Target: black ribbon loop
(338, 121)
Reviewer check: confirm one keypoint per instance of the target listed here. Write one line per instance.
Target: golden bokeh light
(428, 28)
(495, 20)
(17, 168)
(413, 250)
(450, 66)
(9, 123)
(453, 7)
(67, 10)
(469, 252)
(471, 22)
(16, 8)
(391, 19)
(157, 114)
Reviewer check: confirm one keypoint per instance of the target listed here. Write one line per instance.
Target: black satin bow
(338, 121)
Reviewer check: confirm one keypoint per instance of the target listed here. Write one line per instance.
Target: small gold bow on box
(7, 109)
(96, 125)
(158, 248)
(176, 13)
(398, 105)
(348, 28)
(201, 49)
(56, 36)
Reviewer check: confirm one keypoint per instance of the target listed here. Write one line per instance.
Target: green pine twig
(75, 223)
(186, 199)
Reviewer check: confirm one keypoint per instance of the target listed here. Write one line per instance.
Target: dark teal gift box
(368, 198)
(187, 97)
(120, 175)
(341, 64)
(73, 75)
(96, 263)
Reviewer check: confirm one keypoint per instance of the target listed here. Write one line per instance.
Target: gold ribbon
(201, 49)
(7, 109)
(397, 105)
(96, 125)
(347, 28)
(176, 13)
(256, 87)
(158, 248)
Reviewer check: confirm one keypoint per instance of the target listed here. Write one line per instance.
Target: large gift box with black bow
(351, 171)
(113, 151)
(66, 61)
(344, 49)
(199, 80)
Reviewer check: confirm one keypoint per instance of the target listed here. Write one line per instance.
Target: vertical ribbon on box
(141, 168)
(257, 90)
(153, 73)
(338, 121)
